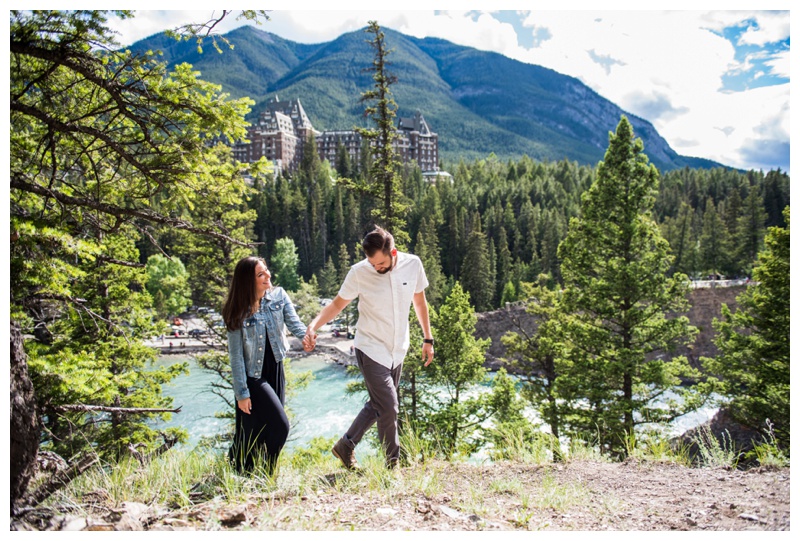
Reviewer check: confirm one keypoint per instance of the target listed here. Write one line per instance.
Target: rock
(74, 524)
(752, 518)
(127, 523)
(232, 517)
(450, 512)
(727, 431)
(386, 511)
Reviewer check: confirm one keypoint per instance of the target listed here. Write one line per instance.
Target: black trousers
(263, 432)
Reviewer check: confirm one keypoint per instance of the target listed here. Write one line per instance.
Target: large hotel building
(281, 129)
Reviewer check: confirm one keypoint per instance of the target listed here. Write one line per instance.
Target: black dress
(264, 431)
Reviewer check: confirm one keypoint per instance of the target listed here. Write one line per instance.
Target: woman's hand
(245, 405)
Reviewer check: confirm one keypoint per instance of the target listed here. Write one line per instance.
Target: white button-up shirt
(384, 301)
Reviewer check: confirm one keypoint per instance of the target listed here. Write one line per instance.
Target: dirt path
(580, 495)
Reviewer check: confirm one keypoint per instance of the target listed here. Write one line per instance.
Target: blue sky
(714, 82)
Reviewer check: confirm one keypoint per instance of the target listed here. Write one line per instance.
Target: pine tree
(715, 242)
(750, 230)
(328, 279)
(476, 277)
(533, 354)
(616, 299)
(124, 148)
(427, 249)
(754, 360)
(458, 367)
(384, 180)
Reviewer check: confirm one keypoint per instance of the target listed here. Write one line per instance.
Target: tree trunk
(24, 421)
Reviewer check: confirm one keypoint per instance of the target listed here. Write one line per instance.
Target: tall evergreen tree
(427, 249)
(715, 242)
(754, 354)
(616, 300)
(476, 276)
(750, 230)
(384, 179)
(328, 280)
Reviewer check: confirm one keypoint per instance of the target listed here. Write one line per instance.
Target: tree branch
(112, 409)
(116, 211)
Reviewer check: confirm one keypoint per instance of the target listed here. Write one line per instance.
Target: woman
(256, 315)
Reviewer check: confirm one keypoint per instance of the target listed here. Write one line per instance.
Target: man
(385, 283)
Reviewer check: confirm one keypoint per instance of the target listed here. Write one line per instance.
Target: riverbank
(339, 349)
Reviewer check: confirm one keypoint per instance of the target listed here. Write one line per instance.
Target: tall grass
(714, 452)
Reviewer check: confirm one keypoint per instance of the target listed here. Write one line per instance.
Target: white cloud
(770, 27)
(779, 64)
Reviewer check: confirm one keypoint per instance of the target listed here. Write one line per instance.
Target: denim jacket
(246, 344)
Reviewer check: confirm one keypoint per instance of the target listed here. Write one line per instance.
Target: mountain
(478, 102)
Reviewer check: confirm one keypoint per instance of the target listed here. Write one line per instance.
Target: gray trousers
(381, 408)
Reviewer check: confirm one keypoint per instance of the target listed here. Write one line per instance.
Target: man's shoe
(346, 454)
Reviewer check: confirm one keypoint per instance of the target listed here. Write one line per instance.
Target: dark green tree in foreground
(617, 296)
(754, 359)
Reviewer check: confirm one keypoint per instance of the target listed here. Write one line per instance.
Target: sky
(714, 82)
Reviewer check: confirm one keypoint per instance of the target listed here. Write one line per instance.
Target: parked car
(196, 333)
(177, 321)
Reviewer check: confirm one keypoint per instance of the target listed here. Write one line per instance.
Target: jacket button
(259, 349)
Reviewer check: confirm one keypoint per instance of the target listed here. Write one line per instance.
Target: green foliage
(768, 453)
(329, 279)
(476, 275)
(315, 452)
(106, 148)
(716, 452)
(167, 282)
(458, 367)
(383, 180)
(306, 299)
(616, 300)
(284, 264)
(533, 355)
(754, 360)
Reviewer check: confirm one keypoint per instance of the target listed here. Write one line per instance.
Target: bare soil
(579, 495)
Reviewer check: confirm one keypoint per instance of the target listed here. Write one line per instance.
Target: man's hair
(377, 240)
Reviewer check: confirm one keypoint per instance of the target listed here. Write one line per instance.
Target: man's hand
(309, 340)
(245, 405)
(427, 353)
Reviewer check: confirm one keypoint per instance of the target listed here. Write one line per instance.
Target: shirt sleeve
(349, 289)
(422, 280)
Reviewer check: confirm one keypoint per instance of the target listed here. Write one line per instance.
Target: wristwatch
(427, 341)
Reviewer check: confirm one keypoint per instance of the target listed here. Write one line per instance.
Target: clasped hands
(309, 340)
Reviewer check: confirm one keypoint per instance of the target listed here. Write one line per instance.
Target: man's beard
(387, 269)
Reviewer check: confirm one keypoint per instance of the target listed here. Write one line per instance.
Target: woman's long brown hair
(242, 293)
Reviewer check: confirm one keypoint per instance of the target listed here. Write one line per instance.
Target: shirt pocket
(405, 294)
(275, 310)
